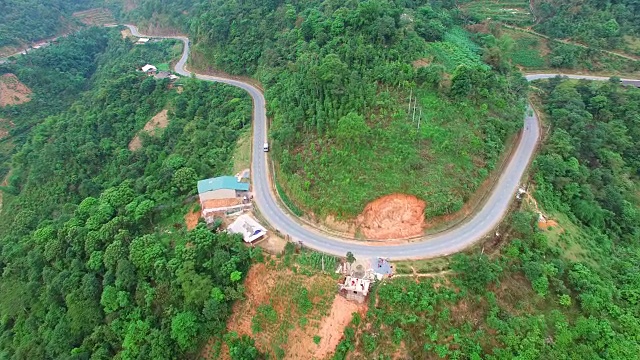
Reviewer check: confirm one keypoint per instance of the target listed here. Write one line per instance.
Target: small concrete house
(355, 288)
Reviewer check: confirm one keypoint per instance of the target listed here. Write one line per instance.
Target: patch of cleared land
(394, 216)
(12, 91)
(4, 131)
(6, 51)
(284, 310)
(330, 331)
(97, 16)
(159, 121)
(126, 33)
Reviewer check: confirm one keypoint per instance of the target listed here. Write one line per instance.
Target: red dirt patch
(391, 217)
(12, 91)
(160, 121)
(330, 331)
(191, 219)
(545, 225)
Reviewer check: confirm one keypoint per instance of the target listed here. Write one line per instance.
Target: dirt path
(417, 274)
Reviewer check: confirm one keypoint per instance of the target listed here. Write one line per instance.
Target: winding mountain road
(448, 242)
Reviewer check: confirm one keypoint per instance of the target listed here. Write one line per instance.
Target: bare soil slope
(394, 216)
(160, 121)
(12, 91)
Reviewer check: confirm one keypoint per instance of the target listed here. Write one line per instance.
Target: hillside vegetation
(564, 293)
(339, 79)
(30, 20)
(598, 24)
(94, 258)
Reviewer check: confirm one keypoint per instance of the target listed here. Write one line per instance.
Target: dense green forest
(94, 260)
(63, 70)
(30, 20)
(338, 79)
(564, 293)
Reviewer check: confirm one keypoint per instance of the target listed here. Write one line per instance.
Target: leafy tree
(184, 329)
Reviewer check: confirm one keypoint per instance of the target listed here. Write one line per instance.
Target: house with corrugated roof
(222, 194)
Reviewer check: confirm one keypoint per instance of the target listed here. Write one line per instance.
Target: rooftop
(162, 75)
(247, 227)
(221, 182)
(149, 67)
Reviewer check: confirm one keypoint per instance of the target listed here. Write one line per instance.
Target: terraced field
(97, 16)
(515, 12)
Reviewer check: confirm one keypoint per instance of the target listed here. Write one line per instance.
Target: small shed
(248, 227)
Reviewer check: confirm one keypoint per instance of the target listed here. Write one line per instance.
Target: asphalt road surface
(476, 227)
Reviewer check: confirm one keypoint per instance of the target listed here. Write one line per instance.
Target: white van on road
(266, 147)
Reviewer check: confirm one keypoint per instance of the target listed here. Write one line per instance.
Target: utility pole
(410, 93)
(419, 117)
(415, 103)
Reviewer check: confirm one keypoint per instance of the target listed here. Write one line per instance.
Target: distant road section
(448, 242)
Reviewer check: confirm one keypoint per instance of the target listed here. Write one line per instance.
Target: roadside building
(223, 194)
(149, 69)
(248, 227)
(142, 41)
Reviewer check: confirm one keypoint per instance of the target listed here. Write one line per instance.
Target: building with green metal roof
(221, 182)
